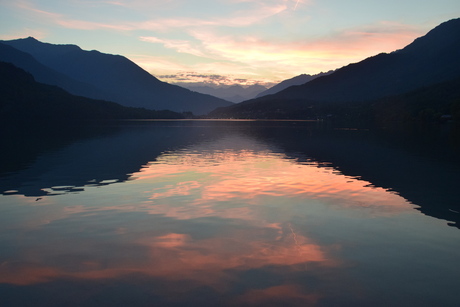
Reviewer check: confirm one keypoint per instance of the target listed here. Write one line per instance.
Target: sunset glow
(246, 42)
(232, 185)
(223, 177)
(226, 214)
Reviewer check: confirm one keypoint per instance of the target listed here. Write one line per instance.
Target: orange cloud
(235, 184)
(181, 188)
(278, 58)
(238, 187)
(178, 257)
(245, 176)
(252, 55)
(317, 55)
(23, 274)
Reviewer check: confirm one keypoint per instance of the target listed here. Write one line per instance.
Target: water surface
(227, 213)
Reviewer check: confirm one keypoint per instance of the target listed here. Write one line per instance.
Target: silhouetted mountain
(297, 80)
(432, 103)
(234, 93)
(429, 103)
(23, 100)
(429, 60)
(45, 74)
(119, 79)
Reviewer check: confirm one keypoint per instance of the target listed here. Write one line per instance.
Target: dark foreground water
(215, 213)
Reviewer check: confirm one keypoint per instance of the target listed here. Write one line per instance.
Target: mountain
(114, 78)
(234, 93)
(429, 60)
(433, 103)
(440, 101)
(297, 80)
(45, 74)
(24, 100)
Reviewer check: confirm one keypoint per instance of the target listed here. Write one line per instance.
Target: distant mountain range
(25, 101)
(234, 93)
(429, 60)
(297, 80)
(237, 93)
(102, 76)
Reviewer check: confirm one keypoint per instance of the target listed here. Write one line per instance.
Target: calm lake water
(227, 213)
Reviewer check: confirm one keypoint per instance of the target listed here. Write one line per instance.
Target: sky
(228, 41)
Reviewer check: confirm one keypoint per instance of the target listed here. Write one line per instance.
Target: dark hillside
(120, 79)
(24, 100)
(44, 74)
(297, 80)
(429, 60)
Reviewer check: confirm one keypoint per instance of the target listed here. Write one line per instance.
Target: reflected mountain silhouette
(63, 161)
(111, 154)
(422, 168)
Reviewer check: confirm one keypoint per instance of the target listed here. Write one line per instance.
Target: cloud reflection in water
(205, 217)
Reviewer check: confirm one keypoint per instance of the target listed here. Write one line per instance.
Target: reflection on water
(218, 214)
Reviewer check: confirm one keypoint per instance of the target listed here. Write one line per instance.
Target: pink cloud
(67, 22)
(175, 256)
(182, 46)
(89, 25)
(240, 18)
(299, 55)
(248, 55)
(233, 180)
(28, 6)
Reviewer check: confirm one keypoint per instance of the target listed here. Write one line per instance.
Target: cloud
(171, 24)
(88, 25)
(301, 55)
(29, 7)
(246, 18)
(210, 79)
(117, 3)
(67, 22)
(195, 75)
(232, 181)
(285, 58)
(182, 46)
(223, 46)
(238, 18)
(157, 65)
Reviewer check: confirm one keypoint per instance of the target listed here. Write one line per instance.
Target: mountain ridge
(297, 80)
(45, 74)
(116, 77)
(393, 67)
(426, 61)
(24, 100)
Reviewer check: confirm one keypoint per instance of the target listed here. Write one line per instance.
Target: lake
(228, 213)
